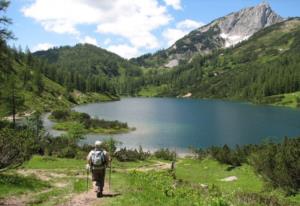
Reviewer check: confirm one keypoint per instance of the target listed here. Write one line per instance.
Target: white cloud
(124, 50)
(134, 20)
(189, 24)
(182, 28)
(89, 40)
(61, 16)
(172, 35)
(107, 41)
(42, 46)
(176, 4)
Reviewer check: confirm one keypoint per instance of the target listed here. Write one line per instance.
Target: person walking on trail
(98, 160)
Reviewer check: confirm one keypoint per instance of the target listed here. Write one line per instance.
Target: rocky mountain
(263, 69)
(221, 33)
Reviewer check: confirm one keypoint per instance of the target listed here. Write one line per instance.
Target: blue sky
(127, 27)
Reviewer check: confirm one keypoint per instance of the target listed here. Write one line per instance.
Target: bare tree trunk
(13, 106)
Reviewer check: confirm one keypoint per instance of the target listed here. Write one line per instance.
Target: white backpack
(98, 158)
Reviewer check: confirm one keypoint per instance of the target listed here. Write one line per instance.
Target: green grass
(211, 172)
(66, 126)
(68, 168)
(158, 188)
(149, 91)
(110, 130)
(131, 165)
(287, 100)
(146, 188)
(39, 162)
(83, 98)
(152, 91)
(14, 184)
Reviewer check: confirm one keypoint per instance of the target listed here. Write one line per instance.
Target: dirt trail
(14, 201)
(157, 166)
(22, 200)
(83, 199)
(89, 198)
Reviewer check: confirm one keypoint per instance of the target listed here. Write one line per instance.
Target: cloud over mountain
(134, 20)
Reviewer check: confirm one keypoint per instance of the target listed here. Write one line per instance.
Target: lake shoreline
(224, 99)
(179, 123)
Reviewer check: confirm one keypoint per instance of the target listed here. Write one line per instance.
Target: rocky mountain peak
(223, 32)
(239, 26)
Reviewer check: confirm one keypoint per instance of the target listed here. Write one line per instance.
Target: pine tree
(11, 99)
(4, 21)
(38, 81)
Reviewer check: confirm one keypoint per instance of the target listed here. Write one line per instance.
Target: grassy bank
(66, 120)
(66, 126)
(287, 100)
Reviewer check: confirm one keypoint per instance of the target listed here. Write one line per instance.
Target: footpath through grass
(44, 181)
(52, 181)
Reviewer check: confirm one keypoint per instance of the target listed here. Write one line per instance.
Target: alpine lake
(178, 124)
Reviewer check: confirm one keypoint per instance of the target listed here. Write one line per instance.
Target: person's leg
(96, 177)
(102, 180)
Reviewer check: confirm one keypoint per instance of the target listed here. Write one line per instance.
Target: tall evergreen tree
(11, 99)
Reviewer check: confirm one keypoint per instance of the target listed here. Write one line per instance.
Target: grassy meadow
(54, 181)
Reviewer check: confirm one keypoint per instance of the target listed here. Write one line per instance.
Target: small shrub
(165, 154)
(125, 155)
(60, 115)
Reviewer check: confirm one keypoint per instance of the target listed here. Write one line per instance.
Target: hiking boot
(99, 194)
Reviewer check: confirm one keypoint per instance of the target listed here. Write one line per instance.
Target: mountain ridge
(222, 32)
(263, 69)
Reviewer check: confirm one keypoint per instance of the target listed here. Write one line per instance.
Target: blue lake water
(180, 123)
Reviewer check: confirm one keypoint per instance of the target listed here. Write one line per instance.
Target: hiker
(98, 160)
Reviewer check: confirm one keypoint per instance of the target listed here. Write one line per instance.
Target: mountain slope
(221, 33)
(265, 65)
(85, 58)
(23, 80)
(88, 68)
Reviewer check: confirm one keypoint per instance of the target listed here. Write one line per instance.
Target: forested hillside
(29, 84)
(256, 70)
(88, 68)
(24, 87)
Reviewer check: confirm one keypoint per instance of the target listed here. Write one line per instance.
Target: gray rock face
(224, 32)
(239, 26)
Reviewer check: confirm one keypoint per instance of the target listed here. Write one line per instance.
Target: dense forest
(88, 68)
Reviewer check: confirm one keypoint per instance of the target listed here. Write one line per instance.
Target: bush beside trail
(278, 163)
